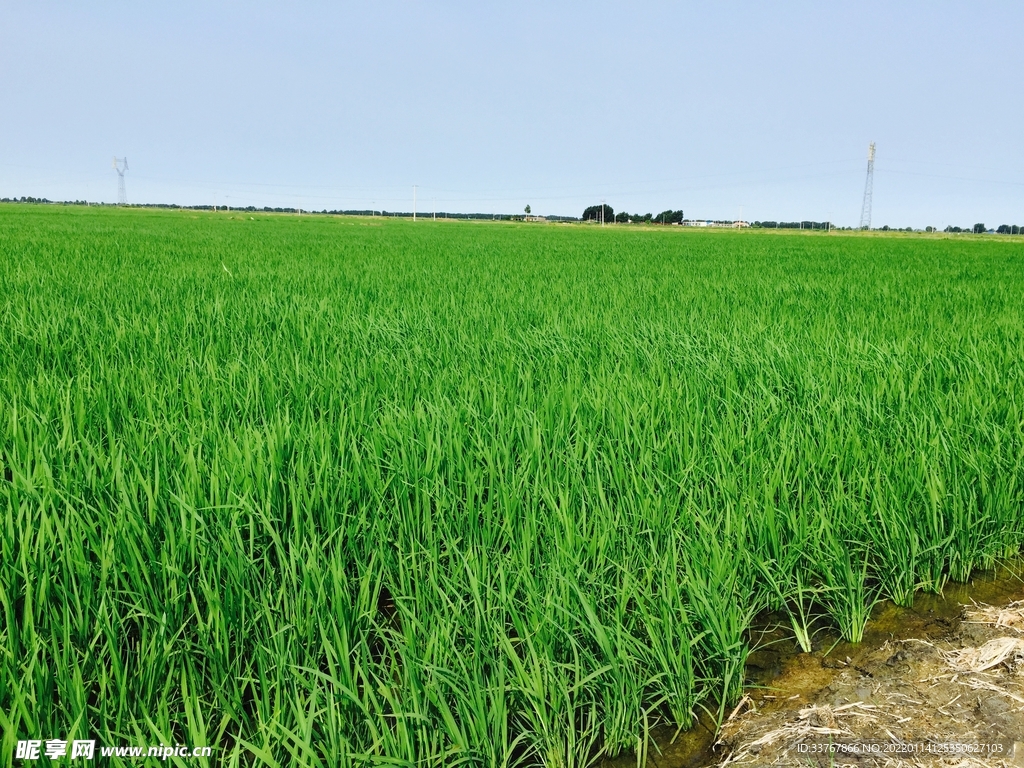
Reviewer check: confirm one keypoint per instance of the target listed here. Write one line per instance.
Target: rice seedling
(790, 592)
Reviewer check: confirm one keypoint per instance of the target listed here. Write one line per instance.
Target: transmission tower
(865, 210)
(121, 166)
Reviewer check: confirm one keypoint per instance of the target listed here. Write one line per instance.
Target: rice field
(324, 491)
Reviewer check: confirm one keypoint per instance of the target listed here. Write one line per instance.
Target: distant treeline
(792, 224)
(1002, 229)
(448, 215)
(605, 213)
(665, 217)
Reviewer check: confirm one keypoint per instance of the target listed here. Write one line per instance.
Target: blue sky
(763, 110)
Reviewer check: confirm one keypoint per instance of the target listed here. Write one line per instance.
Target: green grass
(340, 492)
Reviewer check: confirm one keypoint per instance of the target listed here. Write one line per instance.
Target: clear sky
(722, 109)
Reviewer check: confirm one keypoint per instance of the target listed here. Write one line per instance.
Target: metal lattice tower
(121, 166)
(869, 184)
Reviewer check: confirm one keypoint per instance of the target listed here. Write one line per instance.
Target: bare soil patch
(938, 684)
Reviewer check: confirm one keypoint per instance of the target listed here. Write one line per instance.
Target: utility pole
(869, 183)
(121, 166)
(414, 202)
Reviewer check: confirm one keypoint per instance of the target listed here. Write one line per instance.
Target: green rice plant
(672, 641)
(898, 547)
(716, 578)
(847, 593)
(557, 709)
(621, 688)
(792, 593)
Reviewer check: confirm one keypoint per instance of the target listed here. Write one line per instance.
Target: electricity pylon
(869, 184)
(121, 166)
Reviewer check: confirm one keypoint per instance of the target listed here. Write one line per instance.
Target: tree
(979, 229)
(527, 209)
(593, 213)
(669, 217)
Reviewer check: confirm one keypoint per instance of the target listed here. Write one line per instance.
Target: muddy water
(780, 676)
